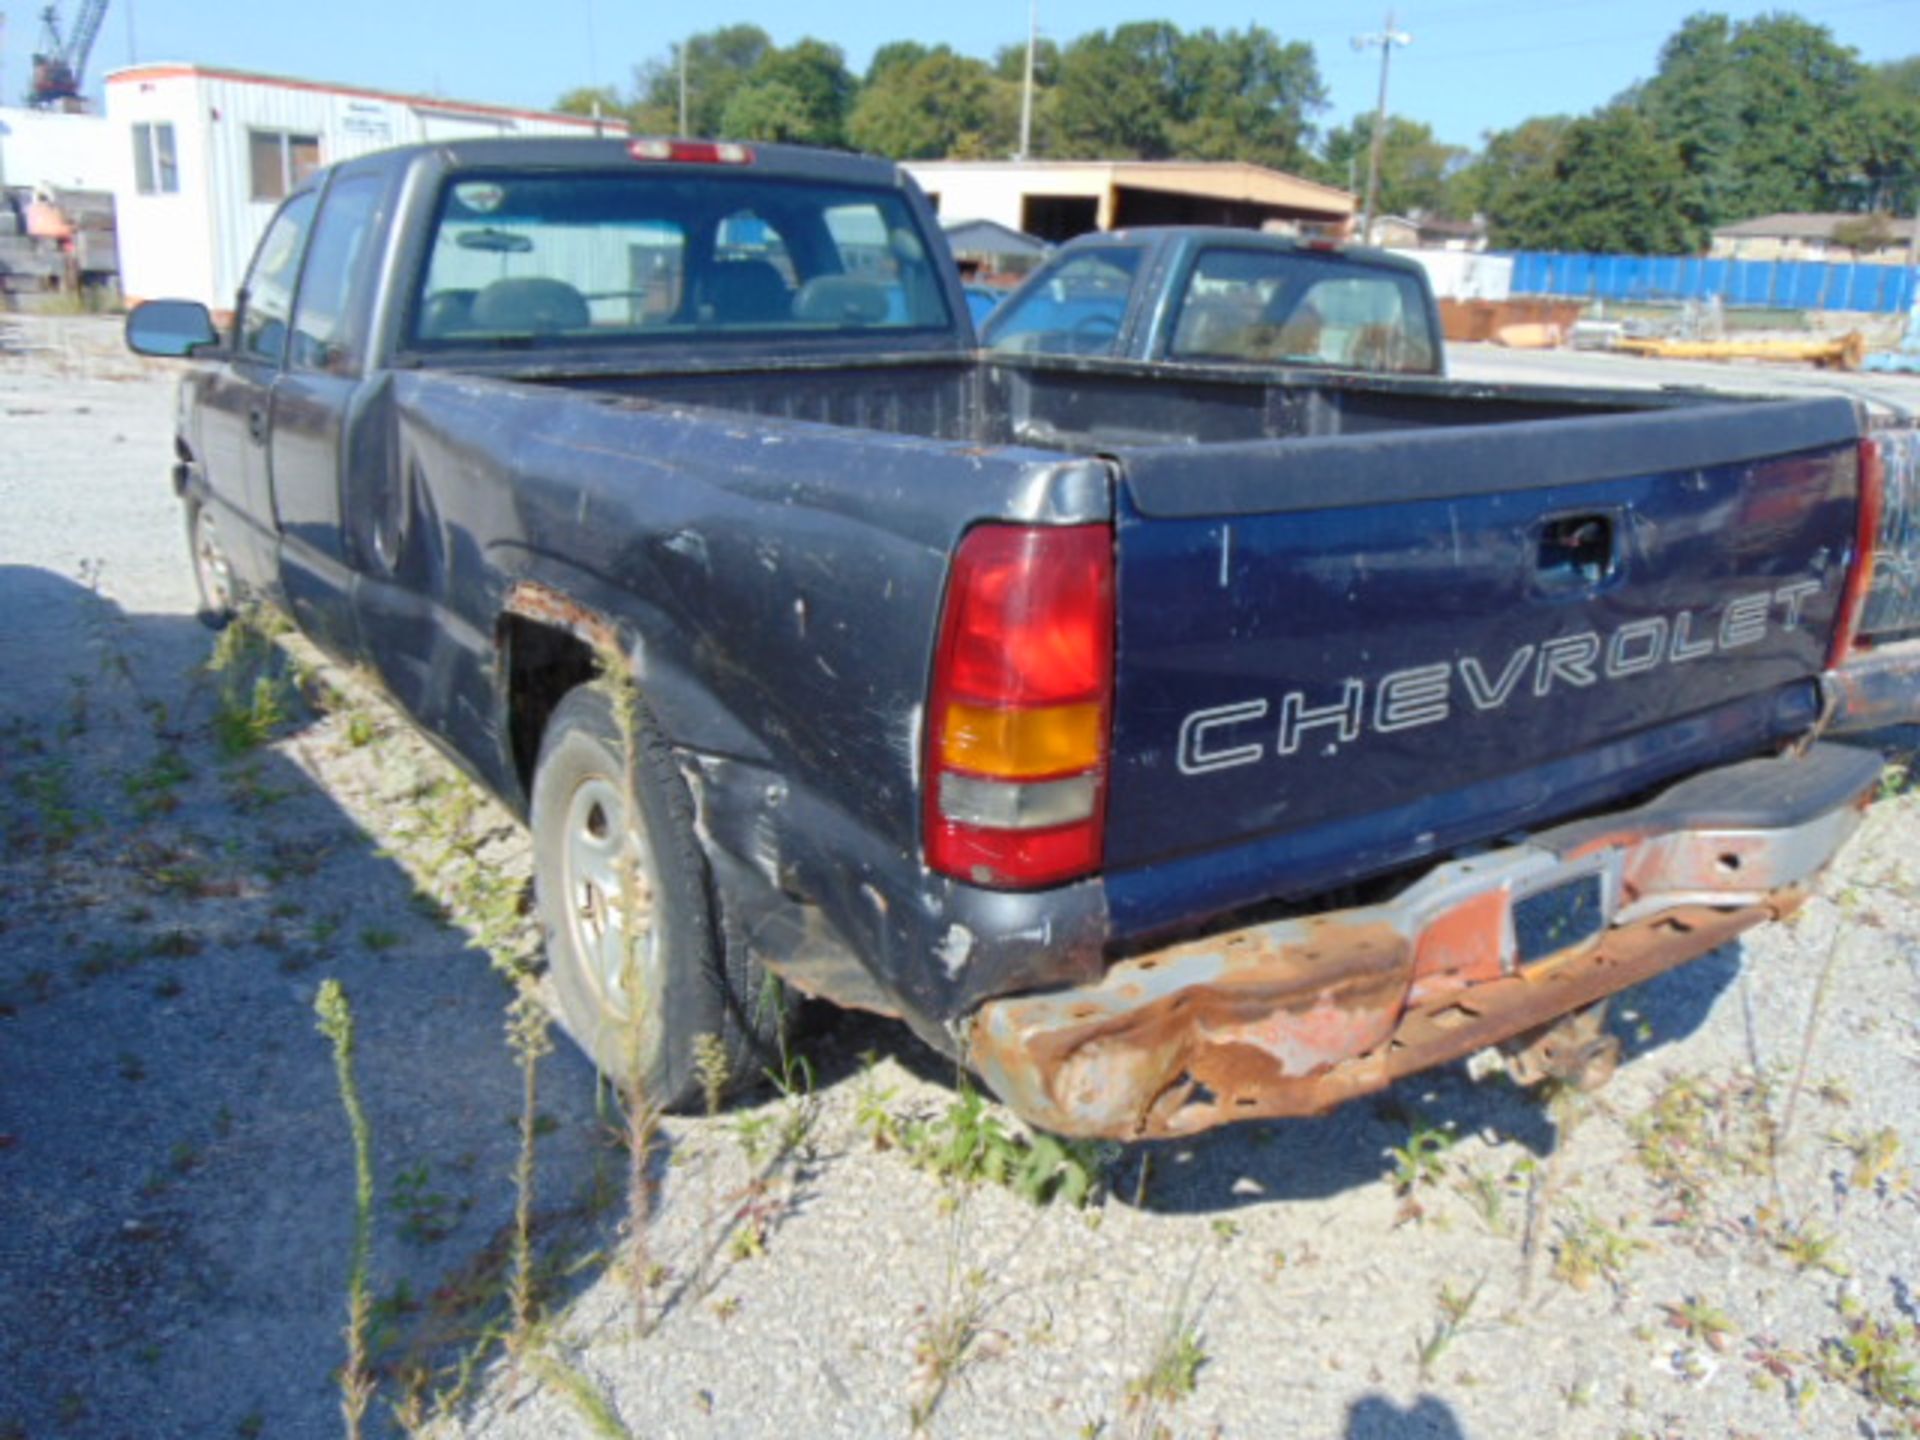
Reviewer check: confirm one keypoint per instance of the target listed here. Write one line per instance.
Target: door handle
(1576, 549)
(257, 425)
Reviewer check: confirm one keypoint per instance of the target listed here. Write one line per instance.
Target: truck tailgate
(1335, 657)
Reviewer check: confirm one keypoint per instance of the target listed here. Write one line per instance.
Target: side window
(277, 161)
(335, 257)
(268, 297)
(155, 170)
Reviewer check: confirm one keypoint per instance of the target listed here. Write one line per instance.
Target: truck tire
(212, 570)
(690, 970)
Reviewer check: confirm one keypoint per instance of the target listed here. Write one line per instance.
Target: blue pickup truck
(1205, 294)
(1172, 745)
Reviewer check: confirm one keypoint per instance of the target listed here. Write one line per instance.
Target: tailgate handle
(1577, 549)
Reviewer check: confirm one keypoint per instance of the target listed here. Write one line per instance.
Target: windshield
(567, 259)
(1299, 307)
(1075, 310)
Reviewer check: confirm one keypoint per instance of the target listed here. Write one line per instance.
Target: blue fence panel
(1785, 284)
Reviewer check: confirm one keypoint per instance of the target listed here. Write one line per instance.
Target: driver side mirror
(171, 329)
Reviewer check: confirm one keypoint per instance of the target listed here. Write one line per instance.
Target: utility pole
(1026, 93)
(1387, 38)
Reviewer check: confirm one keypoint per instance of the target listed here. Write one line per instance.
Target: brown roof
(1817, 226)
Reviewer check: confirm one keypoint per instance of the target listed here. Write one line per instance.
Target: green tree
(1416, 169)
(941, 104)
(1512, 183)
(1148, 91)
(1766, 115)
(718, 63)
(767, 110)
(814, 74)
(1613, 186)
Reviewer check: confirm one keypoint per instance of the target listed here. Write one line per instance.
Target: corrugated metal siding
(1787, 284)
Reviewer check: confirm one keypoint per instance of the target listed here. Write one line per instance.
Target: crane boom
(61, 63)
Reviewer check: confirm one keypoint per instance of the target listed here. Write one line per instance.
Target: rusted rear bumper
(1879, 687)
(1295, 1016)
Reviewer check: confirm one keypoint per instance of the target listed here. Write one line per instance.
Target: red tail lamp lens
(1021, 707)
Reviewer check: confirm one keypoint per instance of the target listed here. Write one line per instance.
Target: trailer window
(155, 171)
(520, 259)
(278, 161)
(1304, 308)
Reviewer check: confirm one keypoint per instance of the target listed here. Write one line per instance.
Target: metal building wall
(201, 250)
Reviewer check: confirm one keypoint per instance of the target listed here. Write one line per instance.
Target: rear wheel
(643, 955)
(212, 571)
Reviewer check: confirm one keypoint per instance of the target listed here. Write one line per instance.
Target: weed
(251, 1426)
(1810, 1248)
(969, 1143)
(1487, 1193)
(947, 1339)
(336, 1023)
(1873, 1155)
(579, 1392)
(1702, 1323)
(426, 1215)
(1875, 1358)
(1455, 1307)
(1174, 1369)
(131, 1067)
(1696, 1133)
(1419, 1162)
(710, 1064)
(360, 732)
(377, 940)
(1589, 1250)
(872, 1106)
(150, 789)
(529, 1037)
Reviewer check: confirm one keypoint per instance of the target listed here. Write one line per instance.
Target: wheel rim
(210, 563)
(600, 846)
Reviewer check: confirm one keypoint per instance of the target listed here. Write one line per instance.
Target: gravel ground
(1721, 1243)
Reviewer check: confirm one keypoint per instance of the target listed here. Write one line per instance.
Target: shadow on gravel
(1375, 1417)
(174, 1160)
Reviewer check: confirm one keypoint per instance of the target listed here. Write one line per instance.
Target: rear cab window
(1303, 308)
(618, 258)
(1077, 310)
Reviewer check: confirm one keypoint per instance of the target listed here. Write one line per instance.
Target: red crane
(61, 62)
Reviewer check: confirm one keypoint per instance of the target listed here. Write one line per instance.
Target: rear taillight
(1020, 707)
(691, 152)
(1853, 599)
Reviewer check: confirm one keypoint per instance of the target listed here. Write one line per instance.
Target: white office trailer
(212, 152)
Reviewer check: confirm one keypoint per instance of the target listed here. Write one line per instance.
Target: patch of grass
(427, 1216)
(356, 1382)
(1455, 1307)
(1697, 1133)
(1173, 1371)
(585, 1398)
(1702, 1322)
(968, 1143)
(1589, 1250)
(1877, 1359)
(151, 788)
(1874, 1155)
(1809, 1247)
(377, 939)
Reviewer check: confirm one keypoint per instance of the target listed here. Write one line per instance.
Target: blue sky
(1474, 65)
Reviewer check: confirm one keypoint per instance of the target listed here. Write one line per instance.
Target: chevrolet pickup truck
(1206, 294)
(1173, 746)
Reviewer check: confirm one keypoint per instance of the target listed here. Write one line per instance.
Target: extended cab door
(313, 405)
(237, 403)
